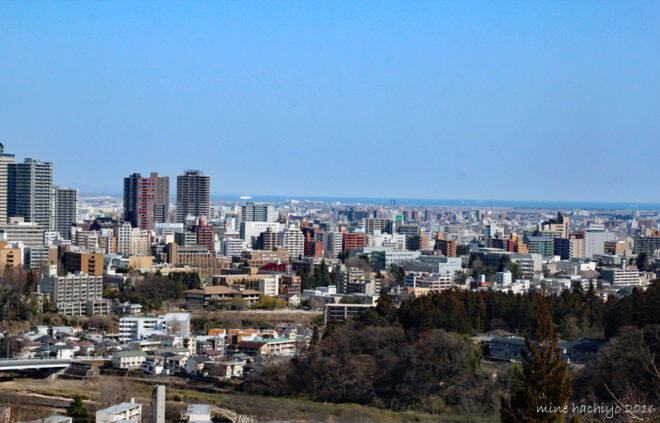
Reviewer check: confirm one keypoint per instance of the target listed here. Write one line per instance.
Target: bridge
(33, 364)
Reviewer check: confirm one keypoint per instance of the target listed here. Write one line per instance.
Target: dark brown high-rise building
(193, 195)
(162, 200)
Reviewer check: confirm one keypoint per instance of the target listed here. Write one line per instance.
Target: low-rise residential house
(584, 350)
(60, 352)
(195, 364)
(154, 365)
(267, 346)
(147, 345)
(175, 363)
(226, 369)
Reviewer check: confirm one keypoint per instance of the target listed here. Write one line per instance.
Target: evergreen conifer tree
(543, 380)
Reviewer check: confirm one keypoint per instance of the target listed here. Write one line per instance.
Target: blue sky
(475, 100)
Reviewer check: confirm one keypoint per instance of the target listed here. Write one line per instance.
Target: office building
(382, 259)
(30, 234)
(408, 229)
(252, 212)
(66, 209)
(418, 242)
(5, 160)
(193, 195)
(29, 192)
(139, 201)
(185, 239)
(542, 245)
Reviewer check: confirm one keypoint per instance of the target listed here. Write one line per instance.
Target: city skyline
(402, 200)
(508, 101)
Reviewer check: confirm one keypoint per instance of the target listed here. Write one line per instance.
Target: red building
(204, 235)
(353, 241)
(313, 248)
(139, 200)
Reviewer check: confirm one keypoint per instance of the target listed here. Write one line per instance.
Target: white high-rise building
(293, 241)
(332, 243)
(252, 212)
(124, 231)
(29, 192)
(231, 247)
(140, 242)
(594, 241)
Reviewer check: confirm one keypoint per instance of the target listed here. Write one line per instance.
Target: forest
(419, 356)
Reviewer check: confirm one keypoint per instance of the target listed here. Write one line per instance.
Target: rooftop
(120, 408)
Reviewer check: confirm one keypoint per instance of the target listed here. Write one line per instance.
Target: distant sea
(587, 205)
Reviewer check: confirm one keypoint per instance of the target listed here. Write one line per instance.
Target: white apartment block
(140, 242)
(136, 328)
(332, 243)
(231, 247)
(293, 241)
(124, 238)
(620, 277)
(503, 278)
(269, 286)
(124, 412)
(73, 293)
